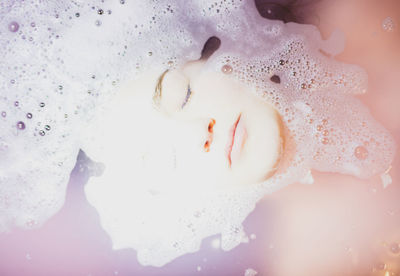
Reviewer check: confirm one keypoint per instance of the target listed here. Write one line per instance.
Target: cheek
(264, 140)
(214, 97)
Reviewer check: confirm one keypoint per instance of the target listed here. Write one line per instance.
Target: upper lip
(231, 139)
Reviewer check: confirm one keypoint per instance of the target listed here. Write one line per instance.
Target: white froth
(62, 61)
(386, 179)
(250, 272)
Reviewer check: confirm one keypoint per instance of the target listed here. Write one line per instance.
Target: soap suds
(63, 61)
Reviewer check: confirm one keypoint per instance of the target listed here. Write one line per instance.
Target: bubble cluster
(388, 24)
(361, 153)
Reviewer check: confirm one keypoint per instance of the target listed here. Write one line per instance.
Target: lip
(236, 139)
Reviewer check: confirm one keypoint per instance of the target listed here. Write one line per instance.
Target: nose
(210, 135)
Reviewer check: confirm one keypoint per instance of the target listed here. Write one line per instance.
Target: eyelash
(188, 96)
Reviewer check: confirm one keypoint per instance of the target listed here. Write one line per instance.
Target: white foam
(386, 180)
(75, 66)
(250, 272)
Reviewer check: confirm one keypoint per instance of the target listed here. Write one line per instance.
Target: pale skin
(218, 100)
(218, 135)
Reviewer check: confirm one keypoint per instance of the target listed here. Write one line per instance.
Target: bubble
(388, 24)
(42, 133)
(150, 54)
(42, 104)
(60, 87)
(394, 248)
(77, 14)
(3, 114)
(227, 69)
(47, 127)
(361, 153)
(16, 103)
(281, 62)
(100, 12)
(13, 27)
(21, 125)
(29, 115)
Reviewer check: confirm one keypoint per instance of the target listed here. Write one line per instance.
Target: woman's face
(200, 126)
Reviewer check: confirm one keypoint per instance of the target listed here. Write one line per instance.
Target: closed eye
(158, 90)
(158, 93)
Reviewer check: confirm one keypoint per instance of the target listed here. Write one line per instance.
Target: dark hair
(211, 45)
(298, 11)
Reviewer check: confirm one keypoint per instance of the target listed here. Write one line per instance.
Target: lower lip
(239, 134)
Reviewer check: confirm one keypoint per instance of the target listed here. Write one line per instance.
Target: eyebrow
(158, 90)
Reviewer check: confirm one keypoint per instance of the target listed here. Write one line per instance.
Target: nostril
(207, 146)
(211, 125)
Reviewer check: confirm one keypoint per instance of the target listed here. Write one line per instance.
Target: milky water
(62, 62)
